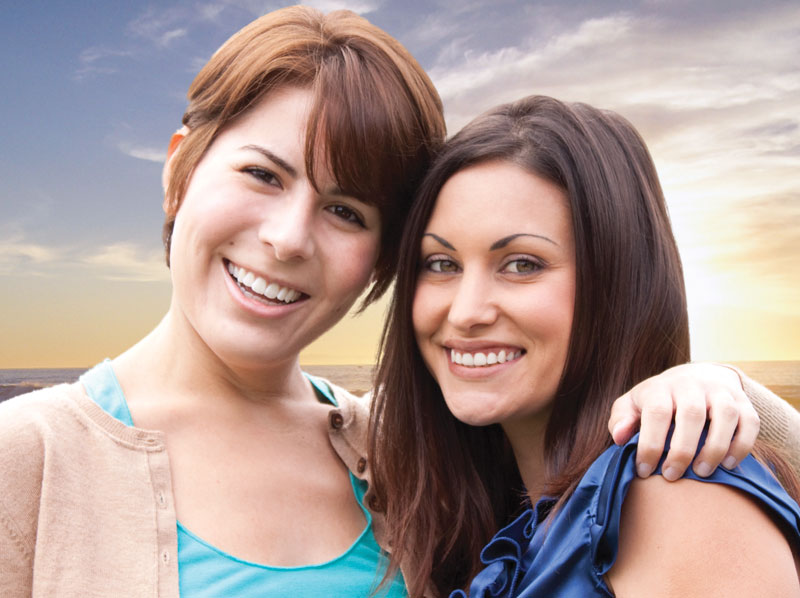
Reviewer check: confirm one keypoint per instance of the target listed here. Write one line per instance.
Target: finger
(624, 419)
(690, 419)
(723, 416)
(746, 433)
(656, 407)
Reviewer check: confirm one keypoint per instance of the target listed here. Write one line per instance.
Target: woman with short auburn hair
(202, 461)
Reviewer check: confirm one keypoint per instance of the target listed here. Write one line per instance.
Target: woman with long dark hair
(542, 279)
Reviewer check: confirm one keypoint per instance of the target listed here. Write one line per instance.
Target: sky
(93, 90)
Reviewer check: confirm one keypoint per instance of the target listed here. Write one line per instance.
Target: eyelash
(439, 260)
(347, 214)
(263, 175)
(536, 265)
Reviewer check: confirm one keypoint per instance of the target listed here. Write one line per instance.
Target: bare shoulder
(690, 538)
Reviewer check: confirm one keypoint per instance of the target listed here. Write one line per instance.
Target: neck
(179, 364)
(527, 441)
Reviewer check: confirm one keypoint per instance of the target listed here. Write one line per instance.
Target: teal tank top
(206, 571)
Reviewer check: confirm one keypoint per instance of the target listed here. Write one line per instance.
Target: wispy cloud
(151, 154)
(162, 26)
(117, 261)
(361, 7)
(126, 261)
(98, 60)
(18, 255)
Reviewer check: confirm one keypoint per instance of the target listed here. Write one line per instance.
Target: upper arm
(690, 538)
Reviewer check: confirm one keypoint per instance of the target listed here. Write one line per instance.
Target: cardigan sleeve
(20, 474)
(780, 422)
(16, 566)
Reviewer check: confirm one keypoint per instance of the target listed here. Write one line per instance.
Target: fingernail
(643, 470)
(702, 469)
(729, 462)
(670, 473)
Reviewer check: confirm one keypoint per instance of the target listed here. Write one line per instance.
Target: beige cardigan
(86, 506)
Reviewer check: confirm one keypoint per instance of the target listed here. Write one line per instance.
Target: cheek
(423, 313)
(353, 262)
(557, 325)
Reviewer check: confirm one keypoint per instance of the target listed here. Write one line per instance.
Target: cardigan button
(336, 420)
(361, 465)
(374, 503)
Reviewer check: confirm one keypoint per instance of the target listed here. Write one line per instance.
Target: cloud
(165, 25)
(97, 60)
(361, 7)
(167, 37)
(210, 11)
(123, 261)
(127, 262)
(151, 154)
(18, 255)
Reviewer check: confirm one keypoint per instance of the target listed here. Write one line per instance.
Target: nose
(287, 226)
(473, 303)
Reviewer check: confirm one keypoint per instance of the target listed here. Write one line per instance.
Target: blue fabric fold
(570, 552)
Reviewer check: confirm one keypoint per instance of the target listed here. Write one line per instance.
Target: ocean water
(43, 377)
(782, 377)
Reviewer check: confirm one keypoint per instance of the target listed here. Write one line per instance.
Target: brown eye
(346, 213)
(442, 265)
(522, 266)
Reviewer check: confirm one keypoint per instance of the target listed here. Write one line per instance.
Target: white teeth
(259, 286)
(272, 290)
(480, 359)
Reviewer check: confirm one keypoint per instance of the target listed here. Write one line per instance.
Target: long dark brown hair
(446, 486)
(376, 119)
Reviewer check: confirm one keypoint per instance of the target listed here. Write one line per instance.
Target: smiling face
(262, 263)
(494, 300)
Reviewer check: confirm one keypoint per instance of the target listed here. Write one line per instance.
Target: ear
(174, 143)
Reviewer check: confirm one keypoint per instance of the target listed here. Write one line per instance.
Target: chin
(474, 411)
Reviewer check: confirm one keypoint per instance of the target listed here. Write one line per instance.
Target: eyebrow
(506, 240)
(274, 158)
(440, 240)
(497, 244)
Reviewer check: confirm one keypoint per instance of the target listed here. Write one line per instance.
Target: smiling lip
(258, 288)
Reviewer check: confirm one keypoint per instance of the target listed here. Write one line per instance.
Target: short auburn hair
(375, 114)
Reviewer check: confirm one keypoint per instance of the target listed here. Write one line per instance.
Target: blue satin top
(570, 553)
